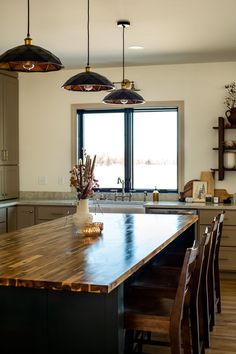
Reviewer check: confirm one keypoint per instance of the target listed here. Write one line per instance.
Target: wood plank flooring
(223, 337)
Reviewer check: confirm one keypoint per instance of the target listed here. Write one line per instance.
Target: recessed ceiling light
(136, 47)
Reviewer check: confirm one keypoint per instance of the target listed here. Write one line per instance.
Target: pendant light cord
(123, 59)
(88, 34)
(28, 20)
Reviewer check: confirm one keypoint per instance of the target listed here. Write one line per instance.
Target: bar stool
(147, 311)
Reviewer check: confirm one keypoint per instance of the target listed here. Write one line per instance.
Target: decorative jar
(229, 160)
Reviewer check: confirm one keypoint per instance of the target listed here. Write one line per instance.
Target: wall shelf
(222, 149)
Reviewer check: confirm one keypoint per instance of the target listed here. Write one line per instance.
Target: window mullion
(128, 149)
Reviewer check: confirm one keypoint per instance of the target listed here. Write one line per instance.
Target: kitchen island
(61, 292)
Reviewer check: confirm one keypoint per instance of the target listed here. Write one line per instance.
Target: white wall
(45, 117)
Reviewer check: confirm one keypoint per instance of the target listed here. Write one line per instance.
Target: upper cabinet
(226, 149)
(9, 140)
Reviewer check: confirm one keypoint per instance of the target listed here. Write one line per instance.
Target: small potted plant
(230, 101)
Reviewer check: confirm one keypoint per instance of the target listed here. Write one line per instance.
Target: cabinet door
(2, 220)
(11, 182)
(1, 119)
(11, 218)
(1, 183)
(25, 216)
(46, 213)
(10, 122)
(2, 227)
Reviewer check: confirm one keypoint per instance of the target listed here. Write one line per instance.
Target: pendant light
(88, 81)
(123, 95)
(28, 57)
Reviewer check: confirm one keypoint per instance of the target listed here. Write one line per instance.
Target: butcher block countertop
(53, 256)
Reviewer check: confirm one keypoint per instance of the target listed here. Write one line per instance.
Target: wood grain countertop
(53, 256)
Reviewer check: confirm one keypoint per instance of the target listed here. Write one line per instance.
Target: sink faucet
(122, 182)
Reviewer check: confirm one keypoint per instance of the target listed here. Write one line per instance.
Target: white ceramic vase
(82, 215)
(229, 160)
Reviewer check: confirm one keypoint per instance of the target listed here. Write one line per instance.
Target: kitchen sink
(111, 206)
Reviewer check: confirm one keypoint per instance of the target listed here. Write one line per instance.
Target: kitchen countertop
(53, 256)
(54, 202)
(183, 205)
(160, 204)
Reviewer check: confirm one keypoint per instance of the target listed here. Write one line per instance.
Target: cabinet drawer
(25, 216)
(227, 259)
(206, 216)
(228, 237)
(53, 212)
(2, 214)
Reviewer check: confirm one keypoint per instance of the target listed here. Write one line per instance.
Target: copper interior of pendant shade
(29, 58)
(41, 60)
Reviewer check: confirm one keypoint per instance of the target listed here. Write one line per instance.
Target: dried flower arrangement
(82, 177)
(230, 99)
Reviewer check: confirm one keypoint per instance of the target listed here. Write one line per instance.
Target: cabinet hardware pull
(225, 236)
(6, 154)
(223, 259)
(28, 211)
(2, 155)
(57, 214)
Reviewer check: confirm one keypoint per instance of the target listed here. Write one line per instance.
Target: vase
(82, 215)
(231, 116)
(229, 160)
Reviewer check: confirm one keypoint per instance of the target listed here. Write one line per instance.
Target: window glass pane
(155, 150)
(104, 137)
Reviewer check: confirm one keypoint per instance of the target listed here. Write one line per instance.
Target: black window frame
(128, 142)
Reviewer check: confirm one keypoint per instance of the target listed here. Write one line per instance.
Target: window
(141, 146)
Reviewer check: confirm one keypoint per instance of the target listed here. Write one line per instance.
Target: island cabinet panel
(23, 323)
(25, 216)
(60, 322)
(46, 213)
(227, 256)
(86, 322)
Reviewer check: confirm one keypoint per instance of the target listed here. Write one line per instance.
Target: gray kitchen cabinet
(9, 182)
(46, 213)
(3, 224)
(11, 218)
(25, 216)
(9, 141)
(227, 256)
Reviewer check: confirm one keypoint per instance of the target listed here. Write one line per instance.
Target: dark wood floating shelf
(226, 169)
(226, 149)
(222, 149)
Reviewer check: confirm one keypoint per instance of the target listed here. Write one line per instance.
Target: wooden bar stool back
(168, 318)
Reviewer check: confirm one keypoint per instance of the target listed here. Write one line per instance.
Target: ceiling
(171, 31)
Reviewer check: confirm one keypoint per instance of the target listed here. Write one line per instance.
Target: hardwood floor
(223, 337)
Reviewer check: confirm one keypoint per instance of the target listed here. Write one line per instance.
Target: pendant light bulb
(28, 65)
(29, 57)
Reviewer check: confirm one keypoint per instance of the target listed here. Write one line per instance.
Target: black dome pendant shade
(123, 95)
(88, 80)
(29, 58)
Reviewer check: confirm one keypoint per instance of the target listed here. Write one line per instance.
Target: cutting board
(208, 176)
(222, 194)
